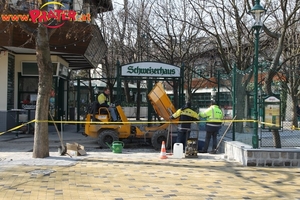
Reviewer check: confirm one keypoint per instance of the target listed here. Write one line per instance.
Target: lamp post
(260, 103)
(218, 94)
(257, 11)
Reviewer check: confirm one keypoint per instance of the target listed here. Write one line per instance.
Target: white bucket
(178, 150)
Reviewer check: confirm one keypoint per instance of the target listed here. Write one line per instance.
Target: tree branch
(270, 33)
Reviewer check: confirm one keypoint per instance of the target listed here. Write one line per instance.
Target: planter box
(144, 112)
(131, 111)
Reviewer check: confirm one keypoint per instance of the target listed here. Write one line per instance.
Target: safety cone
(163, 154)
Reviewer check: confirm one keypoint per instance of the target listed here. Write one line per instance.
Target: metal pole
(149, 86)
(255, 112)
(218, 94)
(181, 87)
(68, 97)
(61, 128)
(78, 104)
(234, 99)
(118, 81)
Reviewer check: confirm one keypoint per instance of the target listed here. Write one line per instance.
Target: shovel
(62, 149)
(215, 151)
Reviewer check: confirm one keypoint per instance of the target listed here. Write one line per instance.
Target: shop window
(10, 81)
(31, 69)
(28, 84)
(28, 88)
(28, 100)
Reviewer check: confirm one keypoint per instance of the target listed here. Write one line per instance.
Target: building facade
(75, 43)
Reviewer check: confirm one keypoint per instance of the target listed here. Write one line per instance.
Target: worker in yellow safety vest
(103, 100)
(214, 116)
(186, 115)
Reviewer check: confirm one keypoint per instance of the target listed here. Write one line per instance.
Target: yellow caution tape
(17, 127)
(139, 122)
(270, 124)
(295, 128)
(136, 122)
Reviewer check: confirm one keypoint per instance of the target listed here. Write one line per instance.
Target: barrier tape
(140, 122)
(137, 122)
(17, 127)
(270, 124)
(295, 128)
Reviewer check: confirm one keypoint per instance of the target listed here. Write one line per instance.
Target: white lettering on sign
(272, 99)
(24, 106)
(150, 69)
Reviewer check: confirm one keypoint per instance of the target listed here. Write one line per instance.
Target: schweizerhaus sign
(150, 69)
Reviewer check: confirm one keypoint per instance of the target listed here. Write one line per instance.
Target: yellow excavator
(99, 124)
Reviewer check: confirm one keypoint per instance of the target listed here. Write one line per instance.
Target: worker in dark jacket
(186, 116)
(214, 116)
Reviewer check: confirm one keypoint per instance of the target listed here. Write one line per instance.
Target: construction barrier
(289, 134)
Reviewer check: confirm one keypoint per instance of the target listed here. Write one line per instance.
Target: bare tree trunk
(111, 88)
(294, 110)
(41, 140)
(127, 92)
(276, 138)
(268, 83)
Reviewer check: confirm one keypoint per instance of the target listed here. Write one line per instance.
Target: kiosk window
(28, 84)
(31, 69)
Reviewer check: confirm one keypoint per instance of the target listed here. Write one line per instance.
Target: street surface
(136, 173)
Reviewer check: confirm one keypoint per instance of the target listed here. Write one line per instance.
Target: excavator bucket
(161, 102)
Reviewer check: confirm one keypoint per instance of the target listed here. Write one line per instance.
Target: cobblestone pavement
(136, 173)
